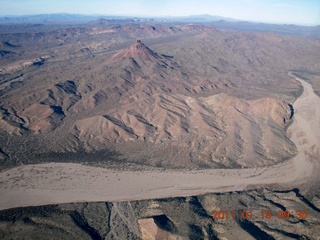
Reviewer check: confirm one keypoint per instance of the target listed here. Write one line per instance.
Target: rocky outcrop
(255, 214)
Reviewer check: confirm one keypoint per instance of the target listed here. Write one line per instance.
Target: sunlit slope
(211, 99)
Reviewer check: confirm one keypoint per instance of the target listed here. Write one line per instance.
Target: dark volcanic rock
(251, 214)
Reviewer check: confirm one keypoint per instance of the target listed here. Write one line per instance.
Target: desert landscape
(127, 129)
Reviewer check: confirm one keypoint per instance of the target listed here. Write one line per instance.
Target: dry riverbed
(31, 185)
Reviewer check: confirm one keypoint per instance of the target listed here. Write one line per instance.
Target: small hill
(41, 118)
(41, 112)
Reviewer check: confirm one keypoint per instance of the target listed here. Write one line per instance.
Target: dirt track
(63, 182)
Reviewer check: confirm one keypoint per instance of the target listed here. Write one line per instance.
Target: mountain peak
(137, 50)
(138, 42)
(138, 46)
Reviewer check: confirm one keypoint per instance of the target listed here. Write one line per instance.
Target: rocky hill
(135, 100)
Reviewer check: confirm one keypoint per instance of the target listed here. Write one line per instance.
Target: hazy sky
(279, 11)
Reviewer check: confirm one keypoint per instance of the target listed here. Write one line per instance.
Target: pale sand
(52, 183)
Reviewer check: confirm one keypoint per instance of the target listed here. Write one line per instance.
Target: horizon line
(227, 19)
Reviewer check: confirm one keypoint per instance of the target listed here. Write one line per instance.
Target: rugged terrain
(186, 110)
(172, 218)
(96, 91)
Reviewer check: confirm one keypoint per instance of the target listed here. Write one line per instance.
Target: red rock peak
(137, 50)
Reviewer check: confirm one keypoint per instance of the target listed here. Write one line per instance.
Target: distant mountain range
(68, 17)
(28, 21)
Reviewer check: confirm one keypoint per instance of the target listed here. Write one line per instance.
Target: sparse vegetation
(183, 98)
